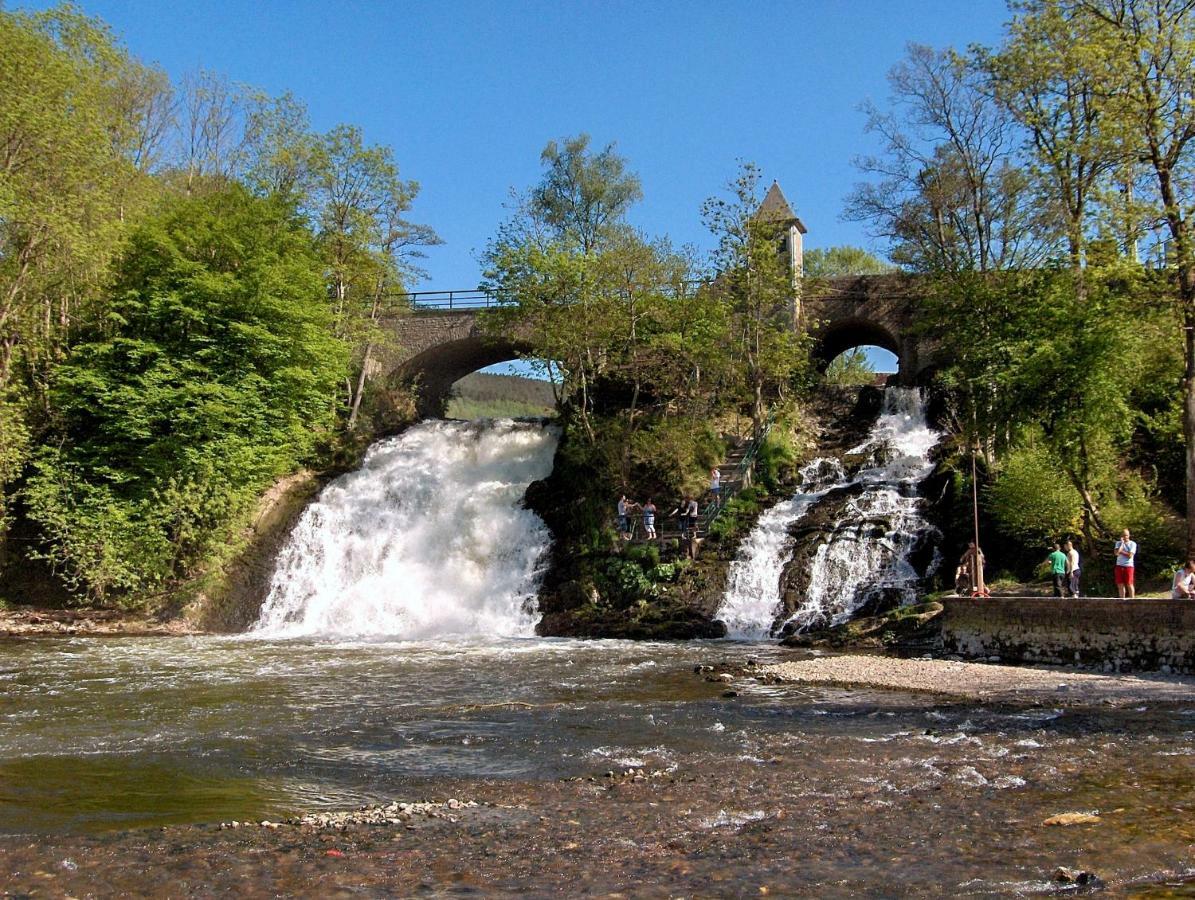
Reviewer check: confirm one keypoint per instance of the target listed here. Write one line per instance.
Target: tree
(1144, 53)
(845, 260)
(759, 289)
(358, 203)
(583, 194)
(1043, 78)
(74, 110)
(850, 368)
(548, 258)
(213, 372)
(949, 192)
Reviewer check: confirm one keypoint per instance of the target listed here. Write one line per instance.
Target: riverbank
(29, 621)
(985, 682)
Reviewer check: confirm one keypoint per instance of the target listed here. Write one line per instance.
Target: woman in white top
(1183, 587)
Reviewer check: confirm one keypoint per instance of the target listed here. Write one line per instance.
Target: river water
(869, 788)
(395, 660)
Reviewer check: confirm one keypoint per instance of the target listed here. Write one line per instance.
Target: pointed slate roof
(775, 206)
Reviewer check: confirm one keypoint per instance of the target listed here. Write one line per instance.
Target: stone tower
(775, 206)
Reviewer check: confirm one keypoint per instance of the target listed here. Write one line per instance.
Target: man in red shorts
(1126, 552)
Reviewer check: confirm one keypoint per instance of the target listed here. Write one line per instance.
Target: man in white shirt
(1183, 587)
(1072, 567)
(1126, 555)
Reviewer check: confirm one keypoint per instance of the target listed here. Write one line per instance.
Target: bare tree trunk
(357, 394)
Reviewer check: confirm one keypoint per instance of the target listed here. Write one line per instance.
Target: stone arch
(838, 336)
(436, 369)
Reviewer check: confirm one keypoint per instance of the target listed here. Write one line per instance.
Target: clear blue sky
(468, 93)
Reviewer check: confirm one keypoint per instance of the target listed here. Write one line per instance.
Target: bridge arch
(435, 370)
(839, 336)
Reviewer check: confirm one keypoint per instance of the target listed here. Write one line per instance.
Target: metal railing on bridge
(475, 298)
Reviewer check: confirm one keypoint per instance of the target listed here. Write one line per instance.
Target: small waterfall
(866, 553)
(427, 539)
(753, 582)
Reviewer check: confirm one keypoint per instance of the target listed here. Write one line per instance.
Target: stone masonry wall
(1112, 635)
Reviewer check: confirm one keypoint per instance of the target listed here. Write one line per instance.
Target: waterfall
(753, 582)
(427, 539)
(865, 553)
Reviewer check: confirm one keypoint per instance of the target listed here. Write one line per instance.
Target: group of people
(1066, 571)
(687, 512)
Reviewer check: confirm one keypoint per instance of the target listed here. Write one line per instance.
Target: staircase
(736, 471)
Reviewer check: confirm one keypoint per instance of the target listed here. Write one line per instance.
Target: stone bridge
(436, 346)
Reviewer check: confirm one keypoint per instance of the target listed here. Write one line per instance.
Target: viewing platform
(1110, 634)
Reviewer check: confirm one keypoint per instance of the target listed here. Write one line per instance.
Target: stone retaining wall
(1112, 635)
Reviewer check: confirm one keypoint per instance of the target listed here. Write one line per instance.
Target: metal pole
(976, 561)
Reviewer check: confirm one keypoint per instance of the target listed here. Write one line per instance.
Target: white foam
(428, 539)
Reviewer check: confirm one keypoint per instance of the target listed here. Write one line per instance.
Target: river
(780, 786)
(395, 661)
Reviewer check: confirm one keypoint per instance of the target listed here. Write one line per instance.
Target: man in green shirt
(1057, 561)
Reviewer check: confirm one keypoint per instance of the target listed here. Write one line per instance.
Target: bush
(216, 372)
(1031, 499)
(624, 583)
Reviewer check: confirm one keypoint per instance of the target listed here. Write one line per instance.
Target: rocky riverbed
(578, 768)
(33, 620)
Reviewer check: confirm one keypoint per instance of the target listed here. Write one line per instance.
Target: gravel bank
(30, 621)
(983, 681)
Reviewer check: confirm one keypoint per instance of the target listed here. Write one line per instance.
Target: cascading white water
(427, 539)
(753, 582)
(855, 563)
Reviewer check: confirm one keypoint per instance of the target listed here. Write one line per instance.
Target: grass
(464, 408)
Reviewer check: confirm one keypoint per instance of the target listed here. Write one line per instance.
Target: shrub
(1031, 499)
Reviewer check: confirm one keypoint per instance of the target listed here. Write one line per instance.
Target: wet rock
(1073, 818)
(904, 626)
(1079, 877)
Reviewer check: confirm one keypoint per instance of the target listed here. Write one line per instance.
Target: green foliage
(850, 369)
(737, 514)
(623, 583)
(212, 374)
(776, 459)
(669, 572)
(845, 260)
(1032, 500)
(482, 395)
(648, 555)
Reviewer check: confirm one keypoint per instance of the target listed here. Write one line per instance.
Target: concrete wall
(1112, 635)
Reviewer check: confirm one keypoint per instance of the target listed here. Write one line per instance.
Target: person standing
(694, 516)
(682, 517)
(966, 576)
(1126, 555)
(716, 483)
(1057, 561)
(649, 519)
(1072, 568)
(624, 522)
(1183, 587)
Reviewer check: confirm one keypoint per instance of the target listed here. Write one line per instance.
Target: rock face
(576, 597)
(906, 627)
(233, 596)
